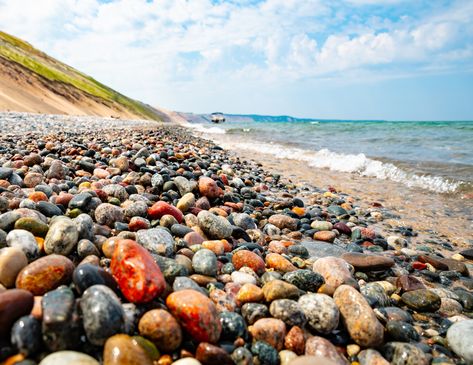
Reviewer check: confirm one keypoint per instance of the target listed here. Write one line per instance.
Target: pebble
(209, 354)
(278, 289)
(62, 236)
(162, 329)
(107, 214)
(196, 313)
(245, 258)
(422, 300)
(254, 311)
(45, 274)
(214, 226)
(279, 263)
(205, 262)
(289, 311)
(156, 240)
(335, 272)
(364, 328)
(68, 357)
(321, 312)
(209, 188)
(233, 326)
(401, 331)
(371, 357)
(25, 241)
(122, 349)
(363, 262)
(283, 221)
(249, 293)
(404, 353)
(460, 339)
(26, 335)
(14, 303)
(325, 350)
(12, 260)
(159, 209)
(137, 274)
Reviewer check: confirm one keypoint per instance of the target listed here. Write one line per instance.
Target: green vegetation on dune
(22, 53)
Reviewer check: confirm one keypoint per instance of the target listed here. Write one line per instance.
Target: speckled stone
(371, 357)
(306, 280)
(196, 313)
(86, 275)
(364, 328)
(102, 312)
(205, 262)
(25, 241)
(321, 312)
(162, 329)
(265, 353)
(62, 236)
(26, 335)
(295, 340)
(279, 263)
(107, 214)
(278, 289)
(162, 208)
(288, 311)
(209, 354)
(214, 226)
(254, 311)
(250, 259)
(156, 240)
(45, 274)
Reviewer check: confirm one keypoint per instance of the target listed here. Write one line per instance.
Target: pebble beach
(134, 242)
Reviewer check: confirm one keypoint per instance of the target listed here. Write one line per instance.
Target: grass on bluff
(16, 50)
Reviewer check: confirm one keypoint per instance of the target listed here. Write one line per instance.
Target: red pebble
(196, 313)
(162, 208)
(208, 187)
(137, 274)
(419, 265)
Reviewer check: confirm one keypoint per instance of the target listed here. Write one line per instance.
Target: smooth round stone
(205, 262)
(364, 328)
(196, 313)
(342, 228)
(265, 353)
(49, 209)
(321, 225)
(401, 331)
(162, 329)
(184, 282)
(295, 340)
(26, 335)
(450, 307)
(460, 339)
(335, 272)
(102, 312)
(306, 280)
(14, 303)
(364, 262)
(214, 226)
(62, 237)
(208, 187)
(86, 248)
(394, 314)
(325, 236)
(85, 226)
(283, 221)
(184, 185)
(319, 346)
(278, 289)
(321, 312)
(137, 274)
(33, 225)
(375, 295)
(269, 330)
(233, 326)
(243, 220)
(253, 312)
(25, 241)
(80, 201)
(404, 354)
(242, 356)
(107, 214)
(242, 278)
(249, 293)
(187, 361)
(245, 258)
(45, 274)
(186, 202)
(116, 191)
(371, 357)
(409, 283)
(8, 219)
(212, 355)
(288, 311)
(61, 325)
(156, 240)
(12, 260)
(161, 208)
(69, 358)
(422, 300)
(87, 275)
(279, 263)
(124, 350)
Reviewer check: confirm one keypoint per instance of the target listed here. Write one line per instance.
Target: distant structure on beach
(217, 117)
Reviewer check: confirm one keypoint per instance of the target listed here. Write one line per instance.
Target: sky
(334, 59)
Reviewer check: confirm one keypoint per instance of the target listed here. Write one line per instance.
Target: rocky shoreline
(127, 242)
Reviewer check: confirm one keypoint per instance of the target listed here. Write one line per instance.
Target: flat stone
(422, 300)
(364, 262)
(318, 249)
(335, 272)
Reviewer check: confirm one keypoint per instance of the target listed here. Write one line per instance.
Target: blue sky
(345, 59)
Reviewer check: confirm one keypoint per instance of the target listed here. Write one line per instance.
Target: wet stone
(321, 312)
(375, 295)
(26, 335)
(61, 326)
(102, 313)
(196, 313)
(364, 262)
(209, 354)
(12, 260)
(269, 330)
(254, 311)
(401, 353)
(306, 280)
(242, 356)
(371, 357)
(156, 240)
(422, 300)
(215, 226)
(122, 349)
(107, 214)
(460, 339)
(319, 346)
(278, 289)
(295, 340)
(162, 329)
(45, 274)
(85, 226)
(62, 237)
(14, 303)
(335, 272)
(233, 326)
(33, 225)
(205, 262)
(401, 331)
(288, 311)
(265, 353)
(245, 258)
(87, 275)
(25, 241)
(68, 357)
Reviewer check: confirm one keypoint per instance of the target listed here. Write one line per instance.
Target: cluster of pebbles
(123, 242)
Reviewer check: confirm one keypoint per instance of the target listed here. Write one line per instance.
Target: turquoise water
(432, 155)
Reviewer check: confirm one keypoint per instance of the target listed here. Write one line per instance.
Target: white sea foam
(204, 129)
(352, 163)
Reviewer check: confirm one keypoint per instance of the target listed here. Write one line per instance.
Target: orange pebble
(38, 196)
(40, 242)
(299, 211)
(14, 359)
(37, 310)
